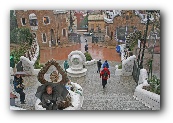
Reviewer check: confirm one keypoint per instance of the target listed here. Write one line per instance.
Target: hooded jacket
(102, 73)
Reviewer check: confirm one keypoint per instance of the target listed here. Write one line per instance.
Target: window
(33, 22)
(23, 21)
(44, 38)
(64, 32)
(46, 20)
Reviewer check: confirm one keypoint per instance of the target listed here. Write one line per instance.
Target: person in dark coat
(106, 64)
(18, 86)
(99, 64)
(86, 47)
(105, 73)
(50, 99)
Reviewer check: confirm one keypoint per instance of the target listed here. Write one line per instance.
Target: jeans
(22, 95)
(104, 82)
(99, 69)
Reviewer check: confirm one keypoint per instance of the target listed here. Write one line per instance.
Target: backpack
(105, 74)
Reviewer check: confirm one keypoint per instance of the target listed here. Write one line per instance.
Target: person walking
(99, 64)
(105, 73)
(106, 64)
(66, 66)
(86, 48)
(18, 87)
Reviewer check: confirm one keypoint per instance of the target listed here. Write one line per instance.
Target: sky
(89, 116)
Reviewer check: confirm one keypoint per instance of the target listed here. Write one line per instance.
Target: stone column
(76, 60)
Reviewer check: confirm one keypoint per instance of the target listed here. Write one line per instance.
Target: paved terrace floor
(61, 53)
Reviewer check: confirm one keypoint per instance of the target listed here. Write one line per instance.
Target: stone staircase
(117, 95)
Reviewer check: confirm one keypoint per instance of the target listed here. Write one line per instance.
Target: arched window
(23, 21)
(33, 20)
(44, 39)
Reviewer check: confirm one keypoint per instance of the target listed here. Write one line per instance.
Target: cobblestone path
(117, 95)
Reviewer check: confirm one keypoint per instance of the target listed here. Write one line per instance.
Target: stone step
(105, 104)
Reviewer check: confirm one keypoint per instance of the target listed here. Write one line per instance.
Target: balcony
(34, 28)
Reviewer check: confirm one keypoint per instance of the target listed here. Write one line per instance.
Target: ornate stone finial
(54, 75)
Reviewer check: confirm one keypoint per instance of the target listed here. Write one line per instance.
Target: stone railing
(148, 98)
(127, 66)
(87, 63)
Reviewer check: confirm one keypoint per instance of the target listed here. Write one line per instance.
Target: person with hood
(105, 73)
(99, 64)
(50, 99)
(66, 66)
(18, 87)
(105, 64)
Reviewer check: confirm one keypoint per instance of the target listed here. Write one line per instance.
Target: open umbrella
(57, 88)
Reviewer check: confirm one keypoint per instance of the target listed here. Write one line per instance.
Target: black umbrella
(57, 89)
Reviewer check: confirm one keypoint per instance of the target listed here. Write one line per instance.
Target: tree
(21, 35)
(71, 20)
(13, 20)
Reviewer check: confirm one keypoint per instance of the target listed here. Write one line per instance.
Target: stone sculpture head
(54, 76)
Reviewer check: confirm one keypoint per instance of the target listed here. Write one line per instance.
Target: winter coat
(102, 73)
(18, 82)
(53, 98)
(66, 66)
(105, 64)
(99, 64)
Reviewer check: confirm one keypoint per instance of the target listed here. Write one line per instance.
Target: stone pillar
(76, 60)
(143, 77)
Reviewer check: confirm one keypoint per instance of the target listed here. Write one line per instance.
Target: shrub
(154, 84)
(120, 66)
(88, 56)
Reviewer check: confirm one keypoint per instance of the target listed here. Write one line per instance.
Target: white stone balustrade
(148, 98)
(127, 66)
(87, 63)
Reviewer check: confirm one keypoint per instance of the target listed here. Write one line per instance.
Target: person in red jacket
(105, 73)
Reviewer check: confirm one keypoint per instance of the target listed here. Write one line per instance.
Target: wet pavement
(117, 95)
(61, 53)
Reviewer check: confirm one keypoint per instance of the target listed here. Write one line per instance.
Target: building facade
(121, 23)
(47, 26)
(96, 23)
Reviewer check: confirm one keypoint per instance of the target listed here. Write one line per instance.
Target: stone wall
(56, 25)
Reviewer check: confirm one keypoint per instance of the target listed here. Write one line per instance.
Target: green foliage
(13, 20)
(120, 66)
(88, 56)
(21, 35)
(132, 39)
(17, 53)
(154, 84)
